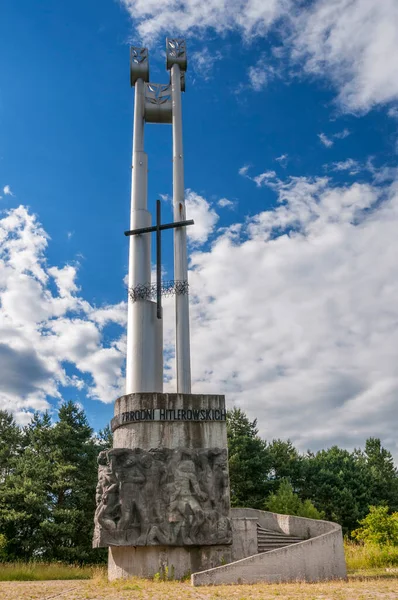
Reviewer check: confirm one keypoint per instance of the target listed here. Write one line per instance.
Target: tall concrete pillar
(183, 358)
(144, 361)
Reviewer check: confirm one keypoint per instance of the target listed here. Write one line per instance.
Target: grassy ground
(36, 571)
(360, 558)
(361, 561)
(138, 589)
(373, 575)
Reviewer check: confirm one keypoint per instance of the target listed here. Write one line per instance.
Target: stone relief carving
(162, 497)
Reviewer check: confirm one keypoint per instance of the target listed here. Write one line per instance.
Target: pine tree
(248, 461)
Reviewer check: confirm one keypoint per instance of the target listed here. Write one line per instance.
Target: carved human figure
(133, 496)
(107, 494)
(221, 481)
(185, 502)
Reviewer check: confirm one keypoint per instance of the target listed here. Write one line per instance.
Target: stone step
(279, 539)
(272, 540)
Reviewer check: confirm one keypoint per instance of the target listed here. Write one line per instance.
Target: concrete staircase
(272, 540)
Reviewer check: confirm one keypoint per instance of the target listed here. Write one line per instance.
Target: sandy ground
(370, 589)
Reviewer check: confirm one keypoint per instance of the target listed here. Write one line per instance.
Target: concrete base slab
(169, 562)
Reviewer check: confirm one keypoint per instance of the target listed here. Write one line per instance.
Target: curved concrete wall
(318, 558)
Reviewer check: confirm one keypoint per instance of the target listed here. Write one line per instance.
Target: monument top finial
(176, 53)
(139, 64)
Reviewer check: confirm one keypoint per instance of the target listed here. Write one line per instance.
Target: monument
(163, 501)
(163, 490)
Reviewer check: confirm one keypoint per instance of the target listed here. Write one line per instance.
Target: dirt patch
(141, 589)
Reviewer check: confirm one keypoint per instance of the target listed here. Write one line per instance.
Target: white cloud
(225, 203)
(243, 170)
(393, 112)
(341, 135)
(7, 190)
(42, 330)
(351, 165)
(355, 44)
(203, 62)
(327, 142)
(250, 17)
(282, 160)
(205, 217)
(294, 314)
(263, 178)
(261, 74)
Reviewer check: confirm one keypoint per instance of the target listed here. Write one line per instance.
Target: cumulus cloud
(294, 314)
(250, 17)
(204, 215)
(355, 44)
(352, 42)
(43, 331)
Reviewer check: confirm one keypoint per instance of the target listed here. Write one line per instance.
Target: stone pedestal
(163, 491)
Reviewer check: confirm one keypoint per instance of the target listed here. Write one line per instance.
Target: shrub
(378, 527)
(286, 502)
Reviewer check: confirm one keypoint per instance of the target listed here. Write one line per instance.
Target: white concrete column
(144, 363)
(183, 358)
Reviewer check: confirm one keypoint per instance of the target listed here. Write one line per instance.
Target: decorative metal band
(147, 291)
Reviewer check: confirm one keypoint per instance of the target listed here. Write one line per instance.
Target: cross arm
(161, 227)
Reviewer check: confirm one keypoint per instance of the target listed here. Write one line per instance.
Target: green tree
(338, 482)
(286, 502)
(286, 463)
(384, 475)
(47, 501)
(104, 438)
(10, 442)
(249, 461)
(25, 494)
(378, 527)
(68, 532)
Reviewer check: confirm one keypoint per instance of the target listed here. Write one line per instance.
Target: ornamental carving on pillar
(139, 64)
(176, 53)
(162, 497)
(158, 106)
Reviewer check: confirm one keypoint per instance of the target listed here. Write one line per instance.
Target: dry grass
(39, 571)
(141, 589)
(367, 557)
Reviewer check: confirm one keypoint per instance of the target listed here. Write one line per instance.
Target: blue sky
(290, 139)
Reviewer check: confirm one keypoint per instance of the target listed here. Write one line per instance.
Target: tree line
(48, 476)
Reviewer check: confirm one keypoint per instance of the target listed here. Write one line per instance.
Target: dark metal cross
(159, 227)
